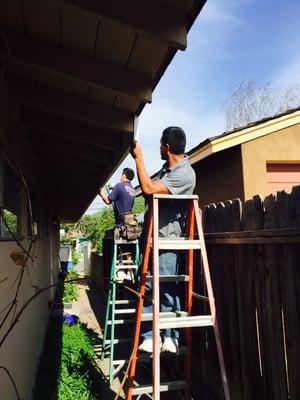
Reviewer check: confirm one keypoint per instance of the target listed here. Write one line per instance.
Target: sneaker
(121, 275)
(147, 346)
(170, 345)
(130, 276)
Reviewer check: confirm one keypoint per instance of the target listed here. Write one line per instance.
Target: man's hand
(103, 196)
(136, 150)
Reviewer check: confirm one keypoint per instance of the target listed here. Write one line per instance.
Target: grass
(67, 370)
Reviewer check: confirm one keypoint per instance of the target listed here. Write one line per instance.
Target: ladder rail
(130, 371)
(211, 299)
(156, 304)
(189, 300)
(194, 220)
(108, 337)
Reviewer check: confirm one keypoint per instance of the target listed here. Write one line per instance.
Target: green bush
(77, 354)
(75, 257)
(70, 290)
(67, 370)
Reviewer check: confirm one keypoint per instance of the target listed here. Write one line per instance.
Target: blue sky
(231, 40)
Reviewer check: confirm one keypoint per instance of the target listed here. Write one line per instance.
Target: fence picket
(257, 290)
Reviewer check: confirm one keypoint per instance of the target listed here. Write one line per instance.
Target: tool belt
(130, 228)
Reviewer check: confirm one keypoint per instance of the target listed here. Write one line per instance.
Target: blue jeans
(169, 263)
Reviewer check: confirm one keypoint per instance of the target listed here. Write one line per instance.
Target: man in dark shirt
(122, 196)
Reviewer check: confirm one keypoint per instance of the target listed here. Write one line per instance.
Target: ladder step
(121, 321)
(129, 266)
(123, 241)
(176, 196)
(165, 315)
(125, 311)
(178, 244)
(164, 387)
(124, 262)
(169, 278)
(122, 302)
(149, 316)
(186, 322)
(118, 341)
(142, 357)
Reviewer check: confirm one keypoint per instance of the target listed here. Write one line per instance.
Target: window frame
(17, 235)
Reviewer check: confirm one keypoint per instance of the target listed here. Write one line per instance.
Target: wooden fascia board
(245, 135)
(74, 107)
(150, 19)
(71, 64)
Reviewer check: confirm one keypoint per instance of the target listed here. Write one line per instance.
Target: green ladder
(118, 265)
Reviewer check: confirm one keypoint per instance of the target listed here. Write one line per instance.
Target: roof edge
(244, 134)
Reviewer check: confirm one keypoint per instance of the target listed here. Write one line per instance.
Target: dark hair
(129, 173)
(175, 138)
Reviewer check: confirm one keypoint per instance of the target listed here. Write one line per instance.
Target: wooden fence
(254, 255)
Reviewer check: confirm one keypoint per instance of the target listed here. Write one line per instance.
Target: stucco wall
(281, 146)
(21, 350)
(219, 177)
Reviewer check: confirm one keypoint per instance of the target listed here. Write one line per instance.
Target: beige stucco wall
(281, 146)
(21, 351)
(219, 177)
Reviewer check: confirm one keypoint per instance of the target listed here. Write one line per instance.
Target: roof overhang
(243, 135)
(79, 72)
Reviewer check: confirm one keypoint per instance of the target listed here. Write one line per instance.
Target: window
(10, 200)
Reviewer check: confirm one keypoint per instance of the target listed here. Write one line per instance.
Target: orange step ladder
(182, 319)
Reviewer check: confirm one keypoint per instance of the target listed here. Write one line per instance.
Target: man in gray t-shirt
(176, 177)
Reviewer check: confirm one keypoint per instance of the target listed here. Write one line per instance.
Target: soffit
(79, 72)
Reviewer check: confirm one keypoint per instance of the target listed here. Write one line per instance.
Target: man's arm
(147, 185)
(103, 196)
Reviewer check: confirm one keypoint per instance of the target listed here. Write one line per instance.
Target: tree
(139, 205)
(250, 102)
(94, 226)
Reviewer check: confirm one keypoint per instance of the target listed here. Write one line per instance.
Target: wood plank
(153, 20)
(46, 122)
(274, 341)
(71, 64)
(261, 240)
(263, 233)
(290, 288)
(70, 146)
(74, 107)
(252, 218)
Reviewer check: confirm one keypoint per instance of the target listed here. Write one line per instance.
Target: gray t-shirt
(179, 179)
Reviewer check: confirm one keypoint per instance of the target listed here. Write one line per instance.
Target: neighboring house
(261, 158)
(74, 76)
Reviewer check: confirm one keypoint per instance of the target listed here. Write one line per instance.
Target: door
(282, 177)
